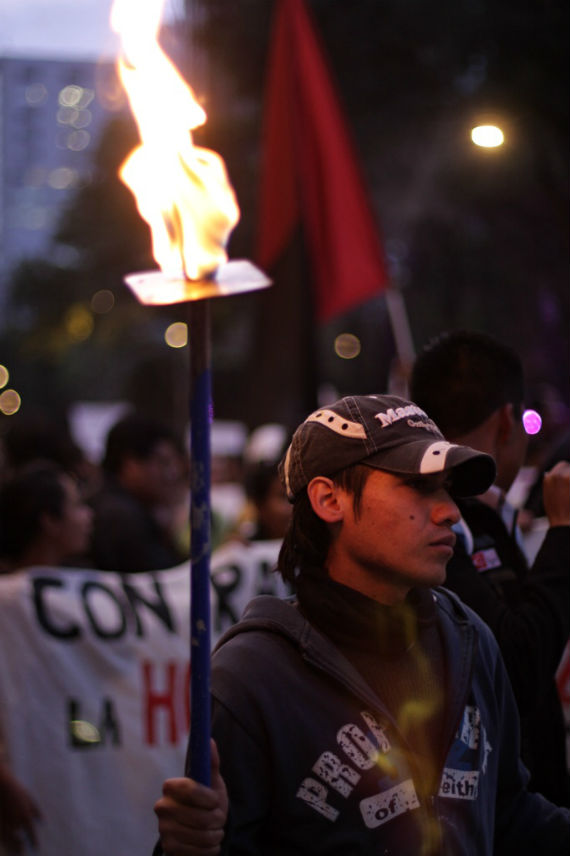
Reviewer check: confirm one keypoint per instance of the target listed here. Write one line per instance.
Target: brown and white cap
(384, 432)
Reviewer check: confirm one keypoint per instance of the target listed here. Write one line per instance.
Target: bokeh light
(347, 346)
(4, 376)
(62, 177)
(78, 322)
(75, 96)
(176, 335)
(85, 732)
(102, 301)
(82, 119)
(532, 421)
(10, 402)
(487, 136)
(36, 93)
(67, 115)
(76, 141)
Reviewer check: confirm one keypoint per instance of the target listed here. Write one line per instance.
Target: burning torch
(183, 193)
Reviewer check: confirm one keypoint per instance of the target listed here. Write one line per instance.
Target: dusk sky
(59, 28)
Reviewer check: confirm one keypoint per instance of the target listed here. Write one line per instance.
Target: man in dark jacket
(373, 713)
(473, 387)
(134, 511)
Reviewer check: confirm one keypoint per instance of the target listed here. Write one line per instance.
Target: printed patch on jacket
(360, 747)
(459, 784)
(485, 560)
(387, 805)
(467, 758)
(470, 729)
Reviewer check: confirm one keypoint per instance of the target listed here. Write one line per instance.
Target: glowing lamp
(532, 421)
(487, 136)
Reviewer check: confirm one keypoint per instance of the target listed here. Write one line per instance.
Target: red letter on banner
(155, 700)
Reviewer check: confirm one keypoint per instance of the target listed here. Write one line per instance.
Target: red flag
(309, 172)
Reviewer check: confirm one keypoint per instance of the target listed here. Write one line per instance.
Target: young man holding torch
(373, 713)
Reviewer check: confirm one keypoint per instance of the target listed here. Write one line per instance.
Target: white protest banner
(238, 573)
(94, 690)
(94, 700)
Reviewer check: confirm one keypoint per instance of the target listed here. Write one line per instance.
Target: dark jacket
(529, 614)
(126, 537)
(315, 764)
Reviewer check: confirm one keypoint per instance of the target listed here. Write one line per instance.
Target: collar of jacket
(280, 616)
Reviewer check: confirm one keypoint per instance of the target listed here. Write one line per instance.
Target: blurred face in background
(274, 511)
(71, 530)
(510, 453)
(156, 478)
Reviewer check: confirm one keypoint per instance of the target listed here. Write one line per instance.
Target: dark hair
(258, 479)
(307, 540)
(134, 436)
(36, 435)
(260, 474)
(33, 491)
(462, 377)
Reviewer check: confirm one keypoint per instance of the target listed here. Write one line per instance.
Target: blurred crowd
(129, 511)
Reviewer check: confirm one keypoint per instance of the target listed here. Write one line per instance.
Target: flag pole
(400, 324)
(403, 341)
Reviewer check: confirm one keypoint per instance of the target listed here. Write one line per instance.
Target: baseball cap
(385, 432)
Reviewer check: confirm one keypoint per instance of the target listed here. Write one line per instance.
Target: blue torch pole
(200, 546)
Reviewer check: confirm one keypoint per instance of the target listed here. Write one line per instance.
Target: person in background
(135, 512)
(43, 522)
(549, 454)
(36, 435)
(227, 492)
(374, 713)
(244, 565)
(271, 510)
(473, 387)
(267, 512)
(43, 519)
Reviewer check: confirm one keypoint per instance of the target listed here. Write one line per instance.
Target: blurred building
(51, 115)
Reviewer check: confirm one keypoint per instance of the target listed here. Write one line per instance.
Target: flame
(182, 190)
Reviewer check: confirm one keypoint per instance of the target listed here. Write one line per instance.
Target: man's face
(73, 528)
(400, 537)
(154, 479)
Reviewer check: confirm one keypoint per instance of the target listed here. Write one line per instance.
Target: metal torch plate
(154, 288)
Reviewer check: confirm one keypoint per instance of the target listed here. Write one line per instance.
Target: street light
(487, 136)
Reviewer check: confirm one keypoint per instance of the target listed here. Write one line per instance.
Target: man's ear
(323, 495)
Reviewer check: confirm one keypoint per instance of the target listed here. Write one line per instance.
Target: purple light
(532, 421)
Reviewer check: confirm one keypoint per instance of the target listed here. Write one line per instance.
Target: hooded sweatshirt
(318, 760)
